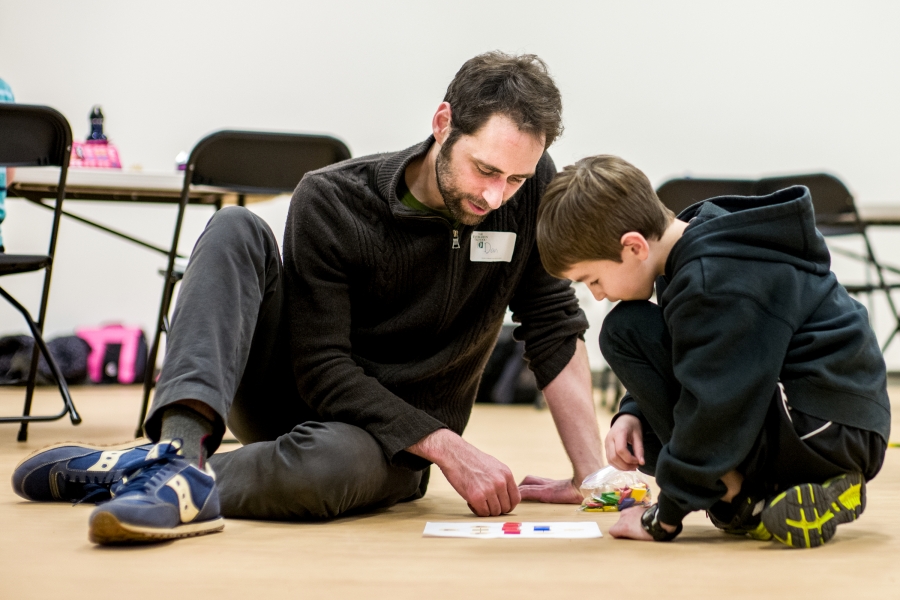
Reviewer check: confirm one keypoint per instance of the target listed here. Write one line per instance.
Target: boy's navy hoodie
(750, 300)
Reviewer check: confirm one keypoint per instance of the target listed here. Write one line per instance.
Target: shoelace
(93, 491)
(139, 475)
(88, 489)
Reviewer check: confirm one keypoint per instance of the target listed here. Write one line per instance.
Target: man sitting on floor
(349, 369)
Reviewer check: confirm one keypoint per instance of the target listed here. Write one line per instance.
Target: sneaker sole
(106, 529)
(760, 534)
(807, 515)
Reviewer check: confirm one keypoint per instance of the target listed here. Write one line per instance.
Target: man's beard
(453, 197)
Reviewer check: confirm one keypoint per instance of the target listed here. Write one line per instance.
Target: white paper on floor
(493, 530)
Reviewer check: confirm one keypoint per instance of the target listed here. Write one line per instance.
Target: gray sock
(191, 427)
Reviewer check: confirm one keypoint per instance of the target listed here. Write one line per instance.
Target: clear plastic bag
(610, 490)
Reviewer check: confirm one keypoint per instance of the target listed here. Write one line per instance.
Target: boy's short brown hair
(589, 206)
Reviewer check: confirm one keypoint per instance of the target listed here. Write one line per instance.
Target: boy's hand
(626, 430)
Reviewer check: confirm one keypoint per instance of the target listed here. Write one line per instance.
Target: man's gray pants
(228, 348)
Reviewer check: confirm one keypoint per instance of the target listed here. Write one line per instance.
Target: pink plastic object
(98, 338)
(95, 153)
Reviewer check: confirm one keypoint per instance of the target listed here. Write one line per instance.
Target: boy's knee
(627, 319)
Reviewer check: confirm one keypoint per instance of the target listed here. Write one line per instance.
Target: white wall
(701, 87)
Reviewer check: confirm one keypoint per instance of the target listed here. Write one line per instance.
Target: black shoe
(741, 516)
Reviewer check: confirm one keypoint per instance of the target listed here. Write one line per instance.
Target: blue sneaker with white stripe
(162, 498)
(75, 472)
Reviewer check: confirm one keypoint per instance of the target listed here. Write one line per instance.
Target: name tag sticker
(492, 246)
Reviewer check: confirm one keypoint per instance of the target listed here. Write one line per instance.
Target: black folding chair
(36, 136)
(246, 163)
(678, 194)
(836, 215)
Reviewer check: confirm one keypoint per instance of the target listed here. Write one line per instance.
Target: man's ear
(635, 245)
(440, 123)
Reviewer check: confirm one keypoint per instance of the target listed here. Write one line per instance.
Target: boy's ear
(634, 244)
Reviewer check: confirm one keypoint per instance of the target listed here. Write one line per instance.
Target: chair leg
(149, 383)
(610, 388)
(149, 374)
(29, 394)
(40, 346)
(882, 284)
(891, 337)
(168, 287)
(57, 374)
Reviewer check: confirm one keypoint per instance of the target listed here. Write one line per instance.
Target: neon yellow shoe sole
(807, 515)
(760, 533)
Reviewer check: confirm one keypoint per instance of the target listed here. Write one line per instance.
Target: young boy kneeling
(756, 388)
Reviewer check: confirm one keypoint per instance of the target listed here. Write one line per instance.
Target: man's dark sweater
(750, 300)
(391, 326)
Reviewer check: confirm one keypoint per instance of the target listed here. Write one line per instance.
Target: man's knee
(236, 239)
(329, 468)
(236, 222)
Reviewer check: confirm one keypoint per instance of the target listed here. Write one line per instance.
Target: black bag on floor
(507, 378)
(70, 353)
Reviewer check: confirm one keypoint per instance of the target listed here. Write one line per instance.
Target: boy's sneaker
(741, 516)
(75, 472)
(164, 497)
(807, 515)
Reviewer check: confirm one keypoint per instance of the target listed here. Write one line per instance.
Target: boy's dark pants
(228, 348)
(636, 343)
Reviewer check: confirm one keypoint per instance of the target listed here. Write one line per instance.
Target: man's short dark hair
(517, 87)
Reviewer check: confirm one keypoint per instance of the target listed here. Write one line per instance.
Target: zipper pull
(456, 239)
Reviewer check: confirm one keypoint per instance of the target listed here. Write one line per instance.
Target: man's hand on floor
(554, 491)
(485, 483)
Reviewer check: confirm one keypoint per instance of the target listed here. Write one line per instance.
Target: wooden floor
(45, 552)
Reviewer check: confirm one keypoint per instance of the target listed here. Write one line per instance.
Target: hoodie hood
(780, 227)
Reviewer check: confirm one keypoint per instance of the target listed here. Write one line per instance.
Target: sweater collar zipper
(455, 227)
